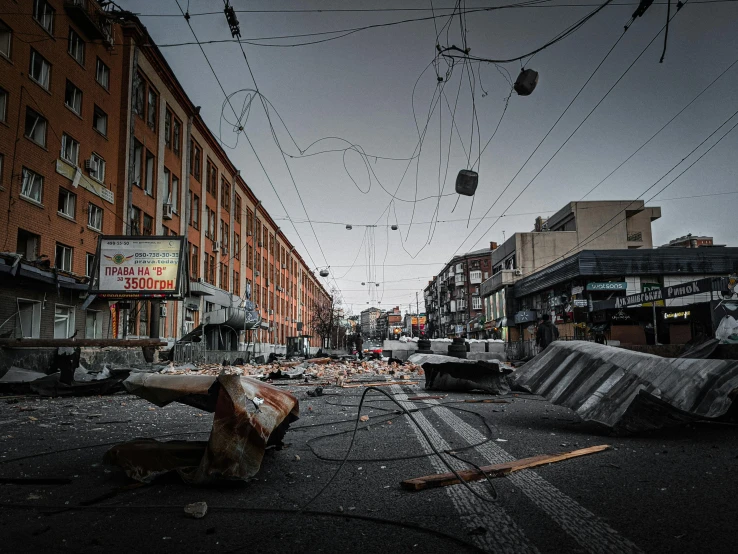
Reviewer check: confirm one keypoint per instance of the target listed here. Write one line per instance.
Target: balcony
(460, 280)
(506, 277)
(475, 277)
(91, 20)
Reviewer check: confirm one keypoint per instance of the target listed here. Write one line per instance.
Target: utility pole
(417, 312)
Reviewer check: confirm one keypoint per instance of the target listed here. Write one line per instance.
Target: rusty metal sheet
(449, 373)
(627, 391)
(249, 416)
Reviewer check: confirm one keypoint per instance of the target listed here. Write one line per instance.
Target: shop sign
(580, 303)
(577, 290)
(607, 286)
(651, 286)
(75, 175)
(524, 316)
(677, 315)
(666, 293)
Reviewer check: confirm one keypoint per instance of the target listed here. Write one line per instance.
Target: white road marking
(503, 534)
(591, 532)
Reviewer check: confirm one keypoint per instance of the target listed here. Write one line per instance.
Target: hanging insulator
(394, 227)
(526, 82)
(466, 182)
(363, 283)
(349, 227)
(324, 273)
(377, 284)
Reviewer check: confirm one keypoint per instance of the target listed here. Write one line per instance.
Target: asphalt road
(668, 491)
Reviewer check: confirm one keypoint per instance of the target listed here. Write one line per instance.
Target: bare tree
(325, 318)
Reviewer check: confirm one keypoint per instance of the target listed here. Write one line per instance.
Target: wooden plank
(497, 470)
(380, 384)
(53, 343)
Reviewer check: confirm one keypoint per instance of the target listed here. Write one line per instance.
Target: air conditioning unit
(201, 280)
(91, 165)
(224, 250)
(284, 266)
(257, 273)
(167, 213)
(271, 312)
(249, 233)
(260, 243)
(518, 272)
(216, 245)
(163, 311)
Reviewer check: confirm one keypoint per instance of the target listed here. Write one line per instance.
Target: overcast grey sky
(360, 88)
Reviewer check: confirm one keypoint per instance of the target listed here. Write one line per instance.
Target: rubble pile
(333, 371)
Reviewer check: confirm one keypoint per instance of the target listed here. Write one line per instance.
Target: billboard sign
(141, 267)
(608, 286)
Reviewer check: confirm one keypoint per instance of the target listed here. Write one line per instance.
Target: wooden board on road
(497, 470)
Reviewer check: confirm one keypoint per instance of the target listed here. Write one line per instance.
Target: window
(212, 269)
(210, 229)
(89, 264)
(93, 324)
(174, 191)
(76, 47)
(224, 234)
(148, 224)
(223, 276)
(194, 261)
(40, 70)
(100, 121)
(33, 185)
(225, 195)
(237, 208)
(212, 181)
(176, 135)
(3, 105)
(63, 258)
(97, 168)
(73, 98)
(138, 95)
(167, 185)
(44, 14)
(6, 39)
(237, 246)
(94, 217)
(27, 244)
(196, 168)
(135, 220)
(2, 164)
(63, 321)
(168, 129)
(151, 115)
(137, 155)
(35, 127)
(69, 149)
(196, 211)
(102, 74)
(149, 185)
(236, 283)
(28, 324)
(67, 202)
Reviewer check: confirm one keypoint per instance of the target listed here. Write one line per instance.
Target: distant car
(373, 349)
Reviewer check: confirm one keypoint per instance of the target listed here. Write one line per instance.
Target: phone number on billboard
(157, 255)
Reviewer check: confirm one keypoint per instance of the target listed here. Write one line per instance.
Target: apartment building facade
(99, 138)
(369, 318)
(453, 301)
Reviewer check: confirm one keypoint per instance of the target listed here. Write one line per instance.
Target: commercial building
(453, 301)
(602, 225)
(690, 241)
(369, 319)
(99, 138)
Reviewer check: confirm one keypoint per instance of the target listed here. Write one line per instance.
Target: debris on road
(496, 470)
(196, 510)
(249, 416)
(449, 373)
(627, 391)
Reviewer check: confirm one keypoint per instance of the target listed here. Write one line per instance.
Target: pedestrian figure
(360, 346)
(546, 333)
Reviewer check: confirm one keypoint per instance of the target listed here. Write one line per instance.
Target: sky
(367, 138)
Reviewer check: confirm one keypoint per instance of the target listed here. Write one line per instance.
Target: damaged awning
(249, 416)
(627, 391)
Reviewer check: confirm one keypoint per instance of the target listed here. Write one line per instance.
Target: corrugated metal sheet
(628, 391)
(614, 263)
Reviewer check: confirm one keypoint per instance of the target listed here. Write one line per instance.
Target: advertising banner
(664, 293)
(140, 267)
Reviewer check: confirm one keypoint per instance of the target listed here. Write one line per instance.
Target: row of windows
(32, 188)
(68, 207)
(28, 321)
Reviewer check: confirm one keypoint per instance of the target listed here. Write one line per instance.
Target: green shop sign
(607, 286)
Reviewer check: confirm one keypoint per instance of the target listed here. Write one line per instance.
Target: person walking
(546, 333)
(360, 346)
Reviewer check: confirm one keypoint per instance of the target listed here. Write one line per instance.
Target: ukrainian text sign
(666, 293)
(140, 267)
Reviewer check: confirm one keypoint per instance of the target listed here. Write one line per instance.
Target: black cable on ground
(422, 431)
(238, 509)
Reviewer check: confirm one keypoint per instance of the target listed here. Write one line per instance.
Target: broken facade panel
(249, 416)
(627, 391)
(457, 374)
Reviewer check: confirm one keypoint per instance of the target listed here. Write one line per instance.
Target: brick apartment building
(453, 302)
(97, 137)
